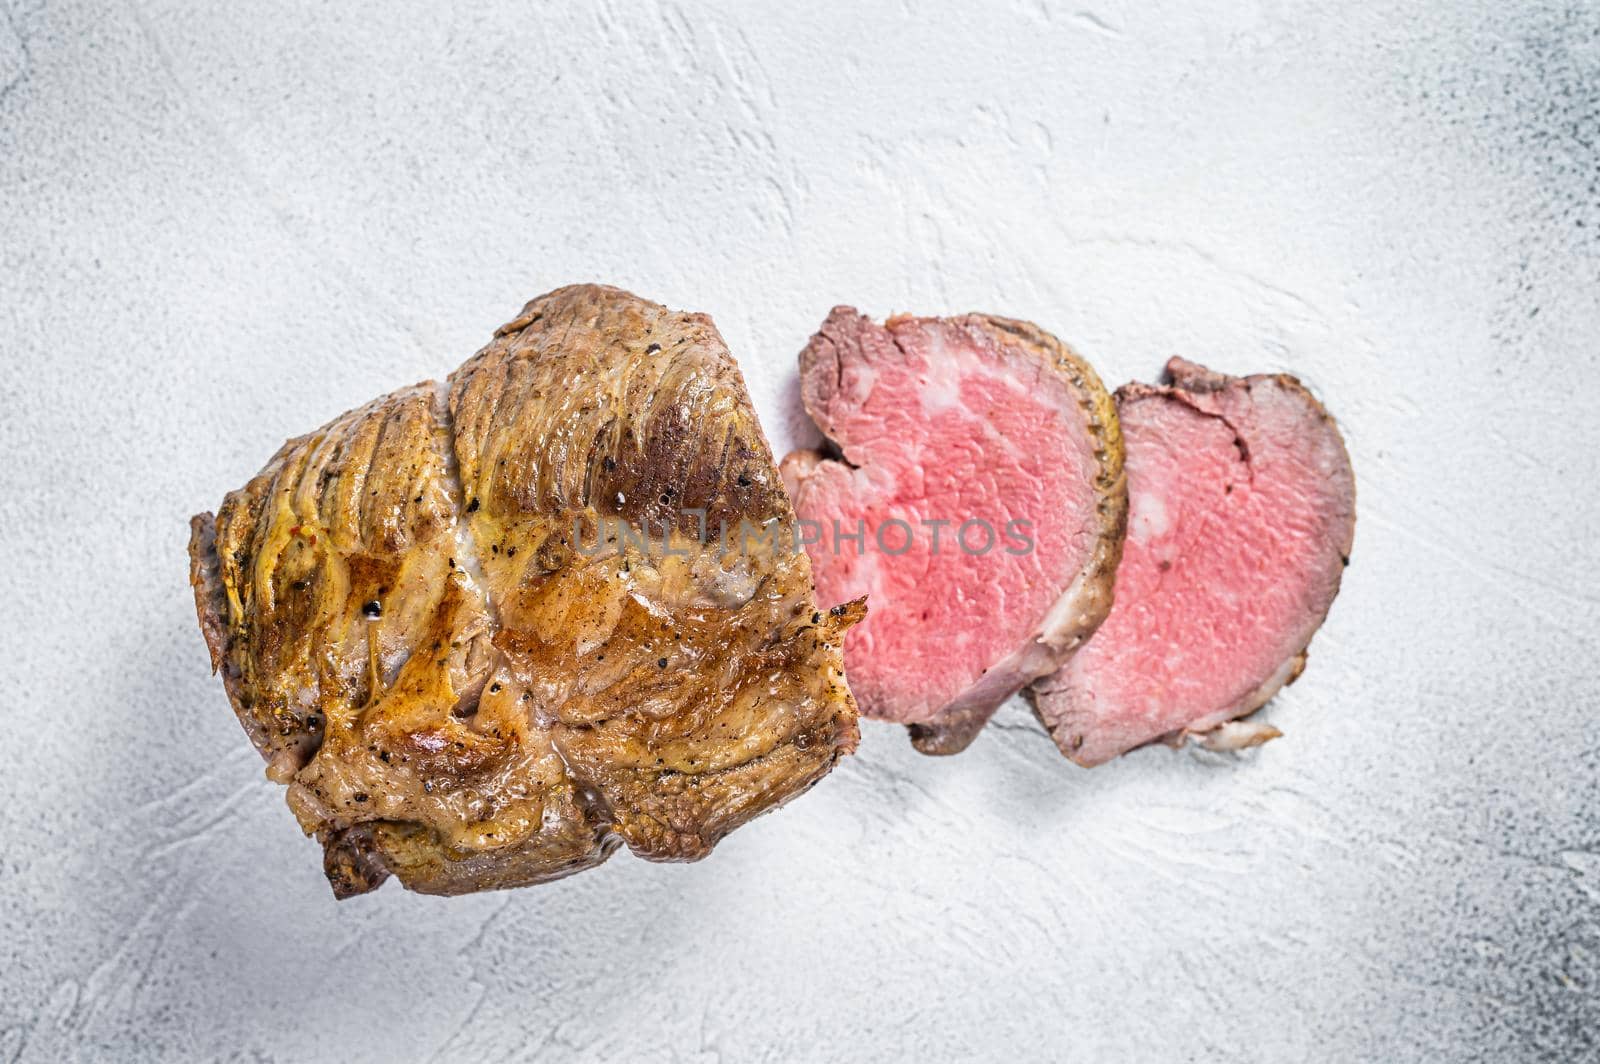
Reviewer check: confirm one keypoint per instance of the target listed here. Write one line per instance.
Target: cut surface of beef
(1241, 518)
(478, 631)
(976, 498)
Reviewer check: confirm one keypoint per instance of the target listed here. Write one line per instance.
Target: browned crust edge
(211, 609)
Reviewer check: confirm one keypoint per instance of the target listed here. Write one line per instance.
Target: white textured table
(221, 224)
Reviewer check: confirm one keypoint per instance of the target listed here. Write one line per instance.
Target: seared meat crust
(478, 630)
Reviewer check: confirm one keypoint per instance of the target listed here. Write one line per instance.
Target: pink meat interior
(1228, 567)
(941, 422)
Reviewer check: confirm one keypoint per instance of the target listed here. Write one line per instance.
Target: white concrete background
(221, 224)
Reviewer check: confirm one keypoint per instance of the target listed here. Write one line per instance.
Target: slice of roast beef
(1241, 516)
(979, 461)
(477, 631)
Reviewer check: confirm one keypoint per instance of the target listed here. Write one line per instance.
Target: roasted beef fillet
(1241, 517)
(478, 627)
(979, 462)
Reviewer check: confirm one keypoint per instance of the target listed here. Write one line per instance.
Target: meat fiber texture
(1242, 515)
(477, 628)
(975, 495)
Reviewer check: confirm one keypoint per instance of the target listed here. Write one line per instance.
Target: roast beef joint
(463, 678)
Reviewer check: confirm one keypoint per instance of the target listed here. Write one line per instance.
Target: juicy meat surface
(476, 629)
(941, 423)
(1241, 517)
